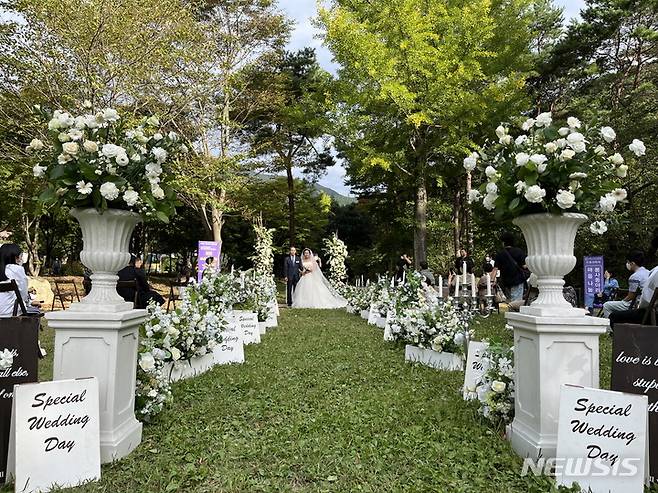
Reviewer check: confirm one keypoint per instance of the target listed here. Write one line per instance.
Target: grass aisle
(323, 404)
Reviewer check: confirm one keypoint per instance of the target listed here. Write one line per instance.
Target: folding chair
(8, 287)
(650, 315)
(59, 295)
(173, 295)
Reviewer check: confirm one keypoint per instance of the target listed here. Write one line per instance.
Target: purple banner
(208, 249)
(593, 278)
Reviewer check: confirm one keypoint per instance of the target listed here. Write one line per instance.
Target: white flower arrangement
(336, 250)
(495, 390)
(99, 160)
(573, 168)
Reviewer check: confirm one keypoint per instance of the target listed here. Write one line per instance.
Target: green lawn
(323, 404)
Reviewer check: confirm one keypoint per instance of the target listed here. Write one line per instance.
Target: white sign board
(231, 349)
(372, 315)
(250, 330)
(475, 367)
(388, 334)
(55, 436)
(602, 440)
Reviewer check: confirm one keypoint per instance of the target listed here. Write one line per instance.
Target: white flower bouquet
(495, 390)
(538, 166)
(99, 159)
(336, 250)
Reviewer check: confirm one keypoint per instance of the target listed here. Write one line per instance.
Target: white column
(548, 352)
(103, 345)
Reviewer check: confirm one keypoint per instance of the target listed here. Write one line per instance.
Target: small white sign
(475, 367)
(231, 349)
(249, 324)
(55, 435)
(602, 440)
(372, 315)
(388, 334)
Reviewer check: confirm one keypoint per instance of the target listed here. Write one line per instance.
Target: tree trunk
(456, 220)
(217, 218)
(468, 216)
(420, 229)
(32, 242)
(292, 233)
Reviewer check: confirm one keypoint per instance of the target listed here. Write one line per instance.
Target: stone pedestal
(103, 345)
(548, 352)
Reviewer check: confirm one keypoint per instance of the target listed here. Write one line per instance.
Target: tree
(292, 132)
(420, 80)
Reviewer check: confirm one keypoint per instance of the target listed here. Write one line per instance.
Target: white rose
(600, 150)
(470, 162)
(616, 159)
(64, 158)
(71, 148)
(498, 386)
(90, 146)
(608, 134)
(561, 143)
(567, 154)
(75, 134)
(520, 140)
(551, 147)
(598, 227)
(35, 145)
(577, 141)
(153, 169)
(93, 121)
(112, 150)
(160, 154)
(528, 124)
(622, 171)
(157, 192)
(501, 131)
(535, 194)
(544, 119)
(146, 362)
(490, 172)
(130, 197)
(506, 140)
(563, 131)
(64, 137)
(39, 171)
(541, 167)
(489, 200)
(492, 188)
(80, 122)
(638, 147)
(474, 196)
(122, 160)
(84, 188)
(173, 136)
(157, 136)
(175, 353)
(109, 191)
(573, 122)
(522, 159)
(619, 194)
(110, 115)
(520, 187)
(538, 159)
(607, 203)
(565, 199)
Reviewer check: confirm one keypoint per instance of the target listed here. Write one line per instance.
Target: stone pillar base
(103, 345)
(549, 352)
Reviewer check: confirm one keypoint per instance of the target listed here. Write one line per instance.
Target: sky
(305, 34)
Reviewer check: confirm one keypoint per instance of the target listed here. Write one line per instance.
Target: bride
(313, 290)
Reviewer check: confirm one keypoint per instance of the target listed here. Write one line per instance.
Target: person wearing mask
(510, 262)
(145, 294)
(11, 268)
(637, 280)
(427, 273)
(637, 316)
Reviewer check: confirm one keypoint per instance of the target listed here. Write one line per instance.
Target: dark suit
(292, 269)
(144, 291)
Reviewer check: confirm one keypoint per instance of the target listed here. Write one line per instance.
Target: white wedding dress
(314, 291)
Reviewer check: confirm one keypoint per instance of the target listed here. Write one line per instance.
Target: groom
(292, 268)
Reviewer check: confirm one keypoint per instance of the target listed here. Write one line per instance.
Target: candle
(440, 286)
(456, 286)
(242, 279)
(361, 280)
(393, 281)
(404, 274)
(232, 268)
(473, 286)
(464, 271)
(488, 285)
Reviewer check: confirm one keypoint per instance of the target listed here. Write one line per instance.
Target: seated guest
(135, 272)
(11, 260)
(637, 280)
(427, 273)
(636, 316)
(610, 286)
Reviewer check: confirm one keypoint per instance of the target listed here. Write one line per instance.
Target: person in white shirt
(11, 267)
(637, 316)
(638, 279)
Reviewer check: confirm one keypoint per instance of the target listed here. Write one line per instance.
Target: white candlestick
(473, 286)
(404, 276)
(440, 286)
(393, 281)
(488, 285)
(464, 271)
(232, 268)
(457, 286)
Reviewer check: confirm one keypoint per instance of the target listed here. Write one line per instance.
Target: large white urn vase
(105, 251)
(550, 240)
